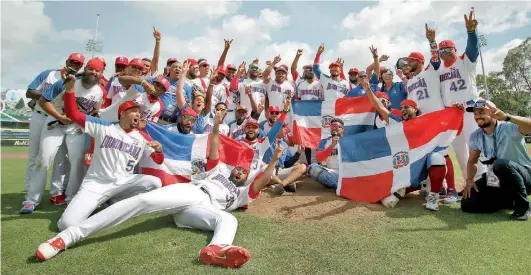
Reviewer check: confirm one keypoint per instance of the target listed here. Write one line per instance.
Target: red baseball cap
(121, 60)
(416, 56)
(136, 62)
(274, 109)
(222, 70)
(409, 102)
(382, 95)
(336, 64)
(446, 44)
(126, 105)
(192, 62)
(77, 57)
(171, 60)
(189, 112)
(162, 81)
(102, 60)
(251, 122)
(231, 67)
(282, 68)
(96, 63)
(354, 71)
(310, 66)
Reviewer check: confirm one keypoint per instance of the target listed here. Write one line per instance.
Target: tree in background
(510, 89)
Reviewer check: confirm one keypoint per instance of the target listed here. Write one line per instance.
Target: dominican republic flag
(377, 163)
(311, 118)
(186, 155)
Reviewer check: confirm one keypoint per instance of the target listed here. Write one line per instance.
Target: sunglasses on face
(446, 50)
(362, 76)
(274, 113)
(384, 101)
(205, 65)
(253, 68)
(76, 63)
(336, 126)
(189, 117)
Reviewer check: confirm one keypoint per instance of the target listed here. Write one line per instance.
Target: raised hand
(227, 43)
(278, 153)
(495, 112)
(287, 103)
(156, 34)
(374, 51)
(256, 60)
(142, 124)
(268, 63)
(399, 73)
(335, 141)
(341, 61)
(213, 75)
(299, 52)
(186, 67)
(241, 69)
(321, 49)
(70, 80)
(430, 33)
(219, 116)
(149, 88)
(471, 22)
(277, 59)
(384, 58)
(156, 146)
(248, 90)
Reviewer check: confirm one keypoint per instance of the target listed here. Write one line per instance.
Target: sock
(450, 181)
(436, 174)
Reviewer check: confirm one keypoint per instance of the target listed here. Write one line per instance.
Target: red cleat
(58, 200)
(227, 256)
(49, 249)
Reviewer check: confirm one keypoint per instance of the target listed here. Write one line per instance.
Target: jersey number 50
(458, 85)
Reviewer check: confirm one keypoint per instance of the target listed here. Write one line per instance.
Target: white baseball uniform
(203, 204)
(458, 85)
(72, 135)
(333, 89)
(237, 131)
(305, 90)
(150, 108)
(116, 153)
(259, 90)
(60, 170)
(278, 92)
(209, 125)
(425, 89)
(116, 91)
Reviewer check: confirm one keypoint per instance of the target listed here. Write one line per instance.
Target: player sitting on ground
(437, 164)
(118, 149)
(203, 204)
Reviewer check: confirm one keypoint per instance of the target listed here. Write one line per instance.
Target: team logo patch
(400, 159)
(326, 121)
(198, 166)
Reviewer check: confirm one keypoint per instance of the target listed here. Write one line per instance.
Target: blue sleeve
(513, 129)
(322, 145)
(97, 120)
(374, 79)
(38, 80)
(472, 46)
(261, 125)
(53, 91)
(268, 156)
(402, 88)
(261, 134)
(199, 125)
(139, 88)
(187, 90)
(272, 135)
(317, 70)
(108, 86)
(473, 141)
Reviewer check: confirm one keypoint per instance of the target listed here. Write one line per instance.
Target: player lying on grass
(203, 204)
(118, 149)
(436, 164)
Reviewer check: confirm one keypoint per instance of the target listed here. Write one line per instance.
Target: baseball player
(280, 88)
(192, 77)
(254, 82)
(118, 149)
(151, 66)
(307, 86)
(204, 204)
(237, 126)
(209, 122)
(115, 90)
(437, 170)
(382, 120)
(171, 112)
(334, 86)
(42, 82)
(458, 85)
(59, 128)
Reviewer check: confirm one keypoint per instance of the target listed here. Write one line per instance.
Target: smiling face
(336, 129)
(387, 76)
(147, 67)
(273, 116)
(159, 90)
(240, 115)
(91, 76)
(408, 112)
(251, 132)
(334, 71)
(238, 176)
(203, 70)
(134, 71)
(447, 54)
(483, 118)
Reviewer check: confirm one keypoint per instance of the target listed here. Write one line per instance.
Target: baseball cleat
(451, 196)
(390, 202)
(278, 189)
(227, 256)
(292, 187)
(28, 208)
(58, 200)
(49, 249)
(432, 202)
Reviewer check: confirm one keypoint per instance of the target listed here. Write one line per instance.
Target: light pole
(482, 43)
(93, 45)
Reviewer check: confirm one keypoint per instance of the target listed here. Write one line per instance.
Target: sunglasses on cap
(189, 117)
(384, 100)
(480, 104)
(274, 113)
(253, 68)
(336, 126)
(446, 50)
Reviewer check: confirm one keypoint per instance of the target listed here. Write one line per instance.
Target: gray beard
(90, 80)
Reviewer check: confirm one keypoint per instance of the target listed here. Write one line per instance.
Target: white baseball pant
(60, 170)
(51, 141)
(190, 206)
(93, 193)
(460, 145)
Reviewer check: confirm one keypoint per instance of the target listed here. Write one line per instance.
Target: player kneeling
(203, 204)
(118, 149)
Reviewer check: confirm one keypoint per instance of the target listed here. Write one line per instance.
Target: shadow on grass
(12, 202)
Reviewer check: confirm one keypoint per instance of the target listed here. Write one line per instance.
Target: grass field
(404, 240)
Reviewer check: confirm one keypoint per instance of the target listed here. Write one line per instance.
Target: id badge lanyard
(492, 179)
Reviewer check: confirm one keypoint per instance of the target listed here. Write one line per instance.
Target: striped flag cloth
(311, 118)
(186, 155)
(377, 163)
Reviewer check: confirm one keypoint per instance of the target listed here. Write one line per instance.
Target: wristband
(374, 56)
(142, 83)
(508, 118)
(285, 111)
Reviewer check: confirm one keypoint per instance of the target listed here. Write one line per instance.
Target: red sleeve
(317, 57)
(342, 75)
(321, 156)
(295, 75)
(106, 103)
(234, 84)
(283, 116)
(158, 158)
(252, 194)
(71, 110)
(211, 164)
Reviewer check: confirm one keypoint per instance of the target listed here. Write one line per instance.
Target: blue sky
(40, 35)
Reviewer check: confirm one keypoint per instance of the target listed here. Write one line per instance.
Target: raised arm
(295, 64)
(208, 99)
(435, 61)
(375, 66)
(156, 52)
(257, 108)
(235, 82)
(472, 45)
(317, 62)
(380, 108)
(267, 71)
(223, 56)
(179, 91)
(71, 109)
(260, 183)
(214, 137)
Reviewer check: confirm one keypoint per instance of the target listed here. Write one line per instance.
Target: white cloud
(77, 34)
(287, 51)
(188, 11)
(493, 59)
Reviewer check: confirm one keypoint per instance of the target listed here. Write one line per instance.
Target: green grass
(404, 240)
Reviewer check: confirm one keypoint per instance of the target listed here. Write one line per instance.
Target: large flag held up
(377, 163)
(186, 155)
(311, 118)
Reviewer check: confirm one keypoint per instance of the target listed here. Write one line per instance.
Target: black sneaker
(291, 188)
(521, 216)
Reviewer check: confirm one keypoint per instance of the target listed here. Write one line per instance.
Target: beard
(90, 80)
(485, 125)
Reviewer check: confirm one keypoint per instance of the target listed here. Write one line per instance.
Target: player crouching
(203, 204)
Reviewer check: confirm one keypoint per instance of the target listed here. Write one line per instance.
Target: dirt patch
(314, 202)
(17, 155)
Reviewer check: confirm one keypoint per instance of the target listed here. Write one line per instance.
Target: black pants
(515, 185)
(308, 153)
